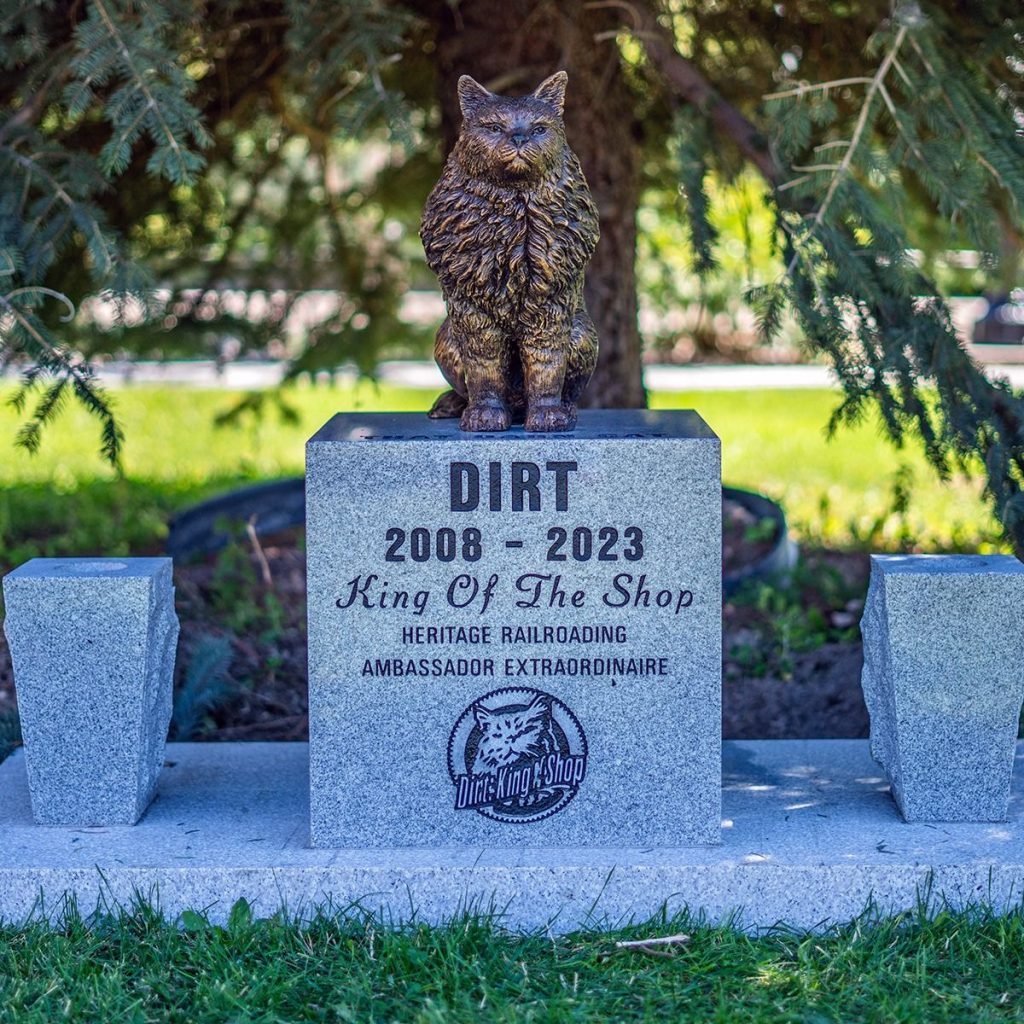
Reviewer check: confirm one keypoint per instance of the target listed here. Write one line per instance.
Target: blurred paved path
(253, 375)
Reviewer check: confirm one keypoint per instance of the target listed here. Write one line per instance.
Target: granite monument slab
(514, 640)
(810, 839)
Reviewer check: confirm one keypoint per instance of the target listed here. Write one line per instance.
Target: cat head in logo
(509, 735)
(512, 139)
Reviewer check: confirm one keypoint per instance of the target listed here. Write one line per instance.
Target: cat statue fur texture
(509, 229)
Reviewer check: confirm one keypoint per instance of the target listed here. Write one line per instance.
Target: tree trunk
(509, 46)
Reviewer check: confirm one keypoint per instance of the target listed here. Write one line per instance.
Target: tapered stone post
(944, 680)
(93, 644)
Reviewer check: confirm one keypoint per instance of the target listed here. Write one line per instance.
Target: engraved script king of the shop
(514, 487)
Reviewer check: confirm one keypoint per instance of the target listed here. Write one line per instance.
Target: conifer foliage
(99, 96)
(869, 122)
(121, 65)
(954, 135)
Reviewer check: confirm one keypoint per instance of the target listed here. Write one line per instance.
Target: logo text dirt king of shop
(516, 755)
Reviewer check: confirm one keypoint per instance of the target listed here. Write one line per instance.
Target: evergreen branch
(793, 183)
(691, 87)
(898, 68)
(45, 348)
(363, 39)
(858, 133)
(995, 174)
(912, 144)
(816, 168)
(47, 359)
(30, 434)
(81, 215)
(28, 113)
(948, 103)
(853, 289)
(803, 90)
(51, 292)
(151, 94)
(887, 99)
(692, 147)
(151, 103)
(50, 361)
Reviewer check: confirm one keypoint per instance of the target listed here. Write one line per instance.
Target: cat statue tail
(448, 405)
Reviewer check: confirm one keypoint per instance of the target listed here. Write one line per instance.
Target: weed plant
(205, 684)
(242, 603)
(10, 732)
(813, 604)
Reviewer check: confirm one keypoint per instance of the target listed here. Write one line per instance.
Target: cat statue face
(509, 736)
(512, 140)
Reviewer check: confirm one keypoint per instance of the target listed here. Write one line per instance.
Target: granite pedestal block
(93, 645)
(514, 639)
(944, 680)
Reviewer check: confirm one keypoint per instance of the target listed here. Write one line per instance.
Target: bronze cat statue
(509, 229)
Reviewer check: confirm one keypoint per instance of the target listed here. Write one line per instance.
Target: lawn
(853, 491)
(134, 967)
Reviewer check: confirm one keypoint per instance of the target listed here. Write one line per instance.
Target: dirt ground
(792, 658)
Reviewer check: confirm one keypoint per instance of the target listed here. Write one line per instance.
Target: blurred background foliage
(835, 496)
(321, 138)
(188, 179)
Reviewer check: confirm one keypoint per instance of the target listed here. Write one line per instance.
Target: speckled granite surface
(810, 836)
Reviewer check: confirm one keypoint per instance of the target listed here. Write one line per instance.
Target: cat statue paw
(486, 416)
(556, 416)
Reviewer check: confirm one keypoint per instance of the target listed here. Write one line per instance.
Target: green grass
(64, 500)
(844, 491)
(135, 967)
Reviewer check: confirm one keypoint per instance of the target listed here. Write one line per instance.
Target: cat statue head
(508, 736)
(512, 141)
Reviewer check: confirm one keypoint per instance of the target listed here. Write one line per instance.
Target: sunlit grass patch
(854, 490)
(133, 965)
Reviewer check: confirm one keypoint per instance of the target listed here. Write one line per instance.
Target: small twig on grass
(666, 940)
(649, 946)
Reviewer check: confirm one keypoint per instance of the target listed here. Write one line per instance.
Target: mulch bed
(791, 669)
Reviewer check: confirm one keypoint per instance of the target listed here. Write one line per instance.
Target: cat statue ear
(471, 94)
(552, 90)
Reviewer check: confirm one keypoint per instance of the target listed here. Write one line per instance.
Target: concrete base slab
(811, 836)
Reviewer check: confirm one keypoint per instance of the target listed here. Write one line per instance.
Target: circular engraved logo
(516, 755)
